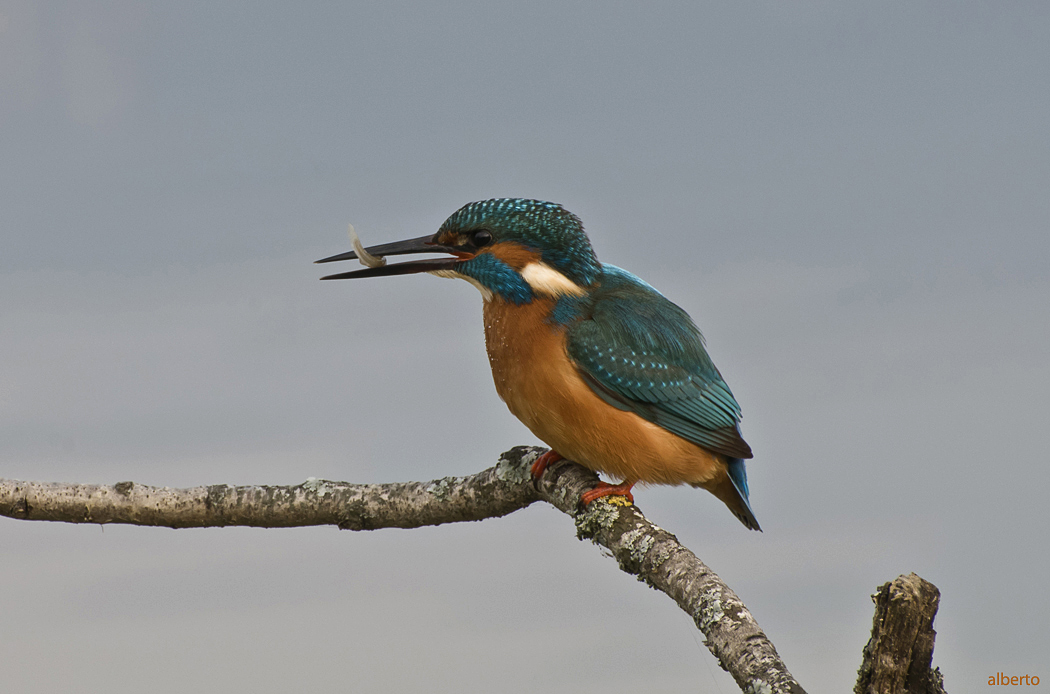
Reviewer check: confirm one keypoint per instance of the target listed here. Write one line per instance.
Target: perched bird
(594, 361)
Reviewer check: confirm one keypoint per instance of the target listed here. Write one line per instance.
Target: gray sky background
(850, 200)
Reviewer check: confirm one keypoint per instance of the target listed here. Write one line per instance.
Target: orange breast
(541, 386)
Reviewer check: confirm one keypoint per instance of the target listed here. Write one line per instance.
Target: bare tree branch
(640, 547)
(489, 494)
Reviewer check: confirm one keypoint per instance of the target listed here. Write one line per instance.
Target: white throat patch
(486, 293)
(547, 281)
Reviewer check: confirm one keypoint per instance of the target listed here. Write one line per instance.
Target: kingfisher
(593, 360)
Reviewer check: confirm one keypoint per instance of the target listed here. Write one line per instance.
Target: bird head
(508, 247)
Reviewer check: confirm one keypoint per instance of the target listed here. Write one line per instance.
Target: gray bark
(640, 548)
(488, 494)
(898, 656)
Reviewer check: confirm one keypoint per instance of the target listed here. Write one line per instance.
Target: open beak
(424, 244)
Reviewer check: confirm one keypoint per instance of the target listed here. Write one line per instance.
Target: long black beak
(424, 244)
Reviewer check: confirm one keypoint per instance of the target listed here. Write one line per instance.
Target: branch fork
(640, 548)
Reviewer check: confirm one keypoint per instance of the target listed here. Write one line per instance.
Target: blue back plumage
(642, 353)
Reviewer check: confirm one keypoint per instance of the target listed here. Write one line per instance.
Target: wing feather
(641, 353)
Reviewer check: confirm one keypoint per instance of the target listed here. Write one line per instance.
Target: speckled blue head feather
(546, 227)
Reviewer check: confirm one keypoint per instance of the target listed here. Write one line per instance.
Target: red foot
(606, 489)
(543, 461)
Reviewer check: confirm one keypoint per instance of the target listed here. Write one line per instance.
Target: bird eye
(480, 238)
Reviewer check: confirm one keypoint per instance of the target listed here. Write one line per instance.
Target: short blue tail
(742, 510)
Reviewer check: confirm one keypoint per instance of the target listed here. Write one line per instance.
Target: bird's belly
(535, 377)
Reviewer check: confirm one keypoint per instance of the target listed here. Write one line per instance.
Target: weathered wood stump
(898, 656)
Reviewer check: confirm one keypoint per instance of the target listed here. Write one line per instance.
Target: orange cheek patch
(514, 254)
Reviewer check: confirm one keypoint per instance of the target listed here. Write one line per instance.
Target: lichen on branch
(640, 548)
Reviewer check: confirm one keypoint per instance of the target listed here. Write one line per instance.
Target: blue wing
(641, 353)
